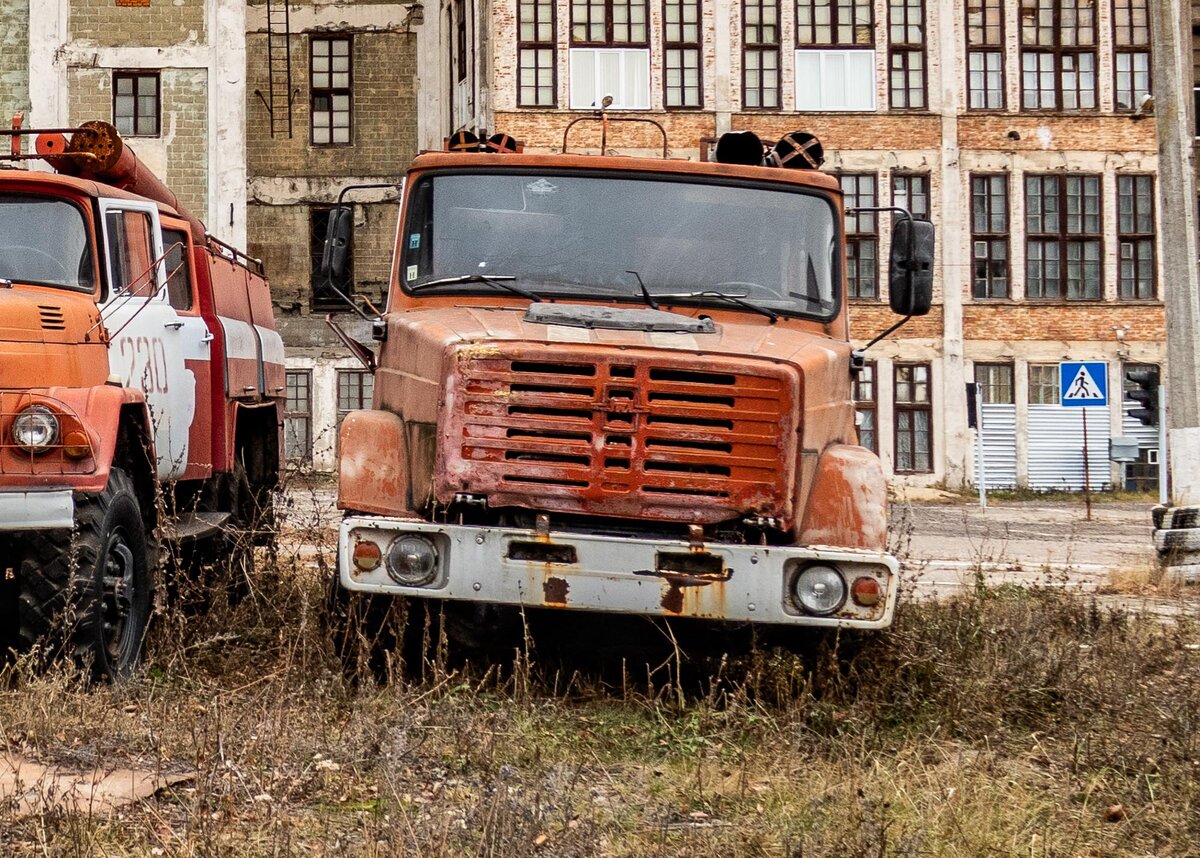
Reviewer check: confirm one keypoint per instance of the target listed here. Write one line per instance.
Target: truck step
(195, 525)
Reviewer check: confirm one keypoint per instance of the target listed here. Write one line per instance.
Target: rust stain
(555, 591)
(672, 600)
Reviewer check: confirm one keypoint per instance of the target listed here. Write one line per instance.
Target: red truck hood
(50, 337)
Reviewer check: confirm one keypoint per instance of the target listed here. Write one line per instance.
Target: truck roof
(468, 160)
(38, 180)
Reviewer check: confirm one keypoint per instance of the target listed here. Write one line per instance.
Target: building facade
(1018, 128)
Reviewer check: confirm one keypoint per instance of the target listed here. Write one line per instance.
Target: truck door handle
(207, 338)
(174, 325)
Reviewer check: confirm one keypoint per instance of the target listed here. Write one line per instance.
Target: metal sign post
(1082, 384)
(1164, 496)
(979, 457)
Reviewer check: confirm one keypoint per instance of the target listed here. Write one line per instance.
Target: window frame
(536, 46)
(912, 407)
(608, 41)
(135, 75)
(835, 24)
(762, 49)
(868, 376)
(682, 46)
(857, 236)
(1063, 237)
(591, 101)
(1131, 48)
(906, 177)
(990, 236)
(989, 385)
(363, 396)
(315, 92)
(317, 301)
(290, 414)
(1053, 386)
(906, 51)
(1058, 51)
(183, 271)
(985, 47)
(1137, 236)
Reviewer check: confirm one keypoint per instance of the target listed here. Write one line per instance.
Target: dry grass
(1006, 722)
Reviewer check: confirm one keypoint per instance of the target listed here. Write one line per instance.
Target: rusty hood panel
(693, 427)
(50, 337)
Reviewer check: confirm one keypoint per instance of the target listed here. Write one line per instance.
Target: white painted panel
(1000, 445)
(1056, 448)
(272, 345)
(240, 341)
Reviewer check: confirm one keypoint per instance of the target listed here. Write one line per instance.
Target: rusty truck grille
(634, 436)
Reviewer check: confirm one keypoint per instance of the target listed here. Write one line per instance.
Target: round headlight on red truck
(35, 429)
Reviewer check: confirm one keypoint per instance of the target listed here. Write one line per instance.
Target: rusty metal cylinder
(97, 152)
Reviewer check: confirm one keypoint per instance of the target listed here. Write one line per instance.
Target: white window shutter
(808, 80)
(835, 80)
(622, 73)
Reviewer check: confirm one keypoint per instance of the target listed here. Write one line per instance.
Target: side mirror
(337, 242)
(910, 291)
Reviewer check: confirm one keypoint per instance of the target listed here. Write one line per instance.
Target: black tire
(378, 637)
(88, 594)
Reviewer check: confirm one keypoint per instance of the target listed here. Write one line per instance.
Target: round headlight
(412, 561)
(820, 590)
(35, 429)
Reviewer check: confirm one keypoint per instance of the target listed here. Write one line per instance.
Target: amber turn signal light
(865, 591)
(367, 555)
(76, 446)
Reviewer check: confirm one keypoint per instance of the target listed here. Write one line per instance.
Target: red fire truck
(140, 372)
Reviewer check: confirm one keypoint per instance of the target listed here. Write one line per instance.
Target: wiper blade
(732, 299)
(496, 281)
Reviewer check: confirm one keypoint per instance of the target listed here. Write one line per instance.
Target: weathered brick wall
(279, 235)
(1067, 322)
(180, 155)
(162, 23)
(1046, 133)
(384, 131)
(868, 320)
(14, 56)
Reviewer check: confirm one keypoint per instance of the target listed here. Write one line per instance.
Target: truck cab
(621, 385)
(139, 372)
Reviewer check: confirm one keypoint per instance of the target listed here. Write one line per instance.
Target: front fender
(847, 506)
(96, 411)
(373, 464)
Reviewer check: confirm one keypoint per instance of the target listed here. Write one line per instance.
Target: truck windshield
(44, 242)
(583, 236)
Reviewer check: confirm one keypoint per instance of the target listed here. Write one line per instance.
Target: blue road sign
(1083, 383)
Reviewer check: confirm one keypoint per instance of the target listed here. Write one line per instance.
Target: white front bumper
(48, 510)
(617, 574)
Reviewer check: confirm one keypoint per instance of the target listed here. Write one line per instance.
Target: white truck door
(146, 349)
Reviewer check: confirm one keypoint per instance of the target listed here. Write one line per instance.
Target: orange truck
(616, 384)
(140, 374)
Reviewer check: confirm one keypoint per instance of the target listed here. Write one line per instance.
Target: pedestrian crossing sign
(1083, 384)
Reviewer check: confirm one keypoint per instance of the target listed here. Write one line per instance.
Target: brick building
(331, 100)
(1017, 127)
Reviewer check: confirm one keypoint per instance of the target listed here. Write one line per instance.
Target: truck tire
(89, 597)
(375, 637)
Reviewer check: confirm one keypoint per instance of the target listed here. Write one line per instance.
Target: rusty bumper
(572, 570)
(36, 510)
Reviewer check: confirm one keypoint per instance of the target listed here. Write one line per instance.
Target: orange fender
(373, 464)
(847, 506)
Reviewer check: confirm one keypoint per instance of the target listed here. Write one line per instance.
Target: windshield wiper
(496, 281)
(732, 299)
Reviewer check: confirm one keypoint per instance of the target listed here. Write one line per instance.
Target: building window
(297, 416)
(996, 379)
(535, 54)
(911, 191)
(914, 419)
(1063, 244)
(985, 55)
(907, 51)
(1043, 384)
(865, 406)
(681, 53)
(862, 235)
(835, 60)
(330, 84)
(323, 296)
(354, 391)
(989, 236)
(1131, 62)
(137, 104)
(1058, 56)
(760, 54)
(616, 59)
(1135, 237)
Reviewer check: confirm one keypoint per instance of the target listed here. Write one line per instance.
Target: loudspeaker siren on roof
(795, 150)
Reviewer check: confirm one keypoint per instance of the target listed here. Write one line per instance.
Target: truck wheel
(97, 586)
(370, 633)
